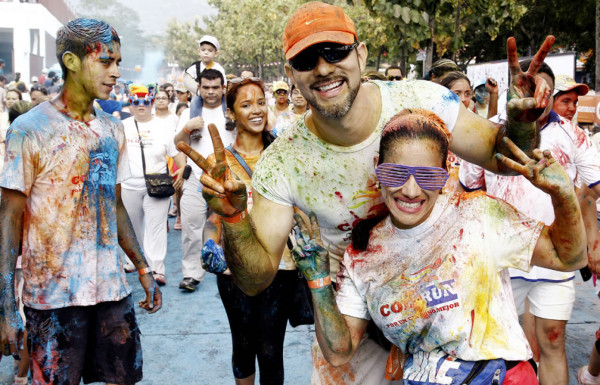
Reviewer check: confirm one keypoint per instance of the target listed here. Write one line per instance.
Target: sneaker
(129, 267)
(585, 378)
(21, 381)
(160, 279)
(189, 284)
(177, 225)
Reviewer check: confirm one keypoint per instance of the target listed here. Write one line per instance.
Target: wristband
(145, 270)
(186, 130)
(236, 218)
(319, 282)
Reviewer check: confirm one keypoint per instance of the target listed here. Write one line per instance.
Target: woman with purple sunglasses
(431, 273)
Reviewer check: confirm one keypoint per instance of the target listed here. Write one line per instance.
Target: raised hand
(543, 171)
(225, 194)
(311, 257)
(528, 94)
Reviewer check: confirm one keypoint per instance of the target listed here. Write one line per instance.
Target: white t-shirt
(170, 121)
(571, 147)
(158, 143)
(339, 183)
(204, 146)
(440, 285)
(68, 170)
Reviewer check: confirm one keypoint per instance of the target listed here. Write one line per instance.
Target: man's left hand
(153, 300)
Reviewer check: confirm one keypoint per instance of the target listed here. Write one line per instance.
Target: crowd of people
(427, 237)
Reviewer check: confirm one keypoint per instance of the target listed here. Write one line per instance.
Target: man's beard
(335, 111)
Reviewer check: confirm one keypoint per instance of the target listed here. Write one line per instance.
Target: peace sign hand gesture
(311, 257)
(543, 171)
(225, 194)
(528, 94)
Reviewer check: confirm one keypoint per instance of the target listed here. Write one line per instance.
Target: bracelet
(319, 282)
(145, 270)
(186, 130)
(236, 218)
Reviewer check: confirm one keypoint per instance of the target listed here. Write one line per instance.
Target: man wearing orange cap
(324, 163)
(61, 190)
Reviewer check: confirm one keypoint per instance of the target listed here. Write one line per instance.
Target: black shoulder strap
(240, 160)
(141, 146)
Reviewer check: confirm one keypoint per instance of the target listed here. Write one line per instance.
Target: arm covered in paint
(12, 207)
(476, 139)
(253, 244)
(338, 335)
(587, 202)
(562, 245)
(131, 247)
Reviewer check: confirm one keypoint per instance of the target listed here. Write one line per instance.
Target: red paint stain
(339, 195)
(472, 325)
(460, 234)
(595, 246)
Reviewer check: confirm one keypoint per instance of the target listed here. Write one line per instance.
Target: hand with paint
(543, 171)
(311, 257)
(225, 194)
(528, 94)
(11, 331)
(153, 300)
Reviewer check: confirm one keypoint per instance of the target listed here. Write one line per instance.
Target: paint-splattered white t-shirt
(441, 285)
(338, 183)
(68, 170)
(572, 148)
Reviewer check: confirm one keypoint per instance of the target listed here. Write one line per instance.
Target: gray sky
(158, 12)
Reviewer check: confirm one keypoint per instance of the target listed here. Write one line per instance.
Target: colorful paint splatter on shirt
(68, 170)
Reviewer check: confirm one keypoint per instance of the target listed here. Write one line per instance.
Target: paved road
(188, 340)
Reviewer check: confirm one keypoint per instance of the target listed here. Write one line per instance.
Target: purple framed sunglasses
(395, 175)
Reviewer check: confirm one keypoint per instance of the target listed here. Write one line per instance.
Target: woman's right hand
(543, 171)
(225, 194)
(311, 257)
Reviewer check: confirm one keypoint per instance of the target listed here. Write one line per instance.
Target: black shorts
(100, 343)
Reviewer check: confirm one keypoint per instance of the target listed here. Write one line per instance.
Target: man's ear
(71, 61)
(375, 161)
(362, 52)
(216, 53)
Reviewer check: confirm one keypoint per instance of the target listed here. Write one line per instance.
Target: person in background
(13, 95)
(394, 73)
(208, 50)
(182, 95)
(281, 92)
(38, 94)
(299, 108)
(566, 94)
(17, 109)
(2, 64)
(149, 214)
(246, 74)
(180, 108)
(486, 98)
(439, 69)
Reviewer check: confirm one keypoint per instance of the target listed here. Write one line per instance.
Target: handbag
(301, 307)
(158, 185)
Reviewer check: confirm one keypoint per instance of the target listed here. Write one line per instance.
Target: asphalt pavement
(188, 340)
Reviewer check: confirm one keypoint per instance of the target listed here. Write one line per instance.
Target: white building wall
(22, 17)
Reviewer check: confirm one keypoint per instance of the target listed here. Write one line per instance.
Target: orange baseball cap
(315, 23)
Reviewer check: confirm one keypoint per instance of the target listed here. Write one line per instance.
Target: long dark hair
(408, 124)
(233, 89)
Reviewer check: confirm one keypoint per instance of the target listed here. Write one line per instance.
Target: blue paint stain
(450, 97)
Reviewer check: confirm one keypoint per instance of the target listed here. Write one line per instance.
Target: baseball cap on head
(280, 85)
(209, 39)
(566, 83)
(313, 23)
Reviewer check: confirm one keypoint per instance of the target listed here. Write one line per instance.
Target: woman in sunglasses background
(148, 214)
(431, 272)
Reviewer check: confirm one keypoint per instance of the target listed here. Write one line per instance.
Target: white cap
(209, 39)
(34, 79)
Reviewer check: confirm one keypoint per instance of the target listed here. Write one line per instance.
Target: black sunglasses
(331, 52)
(394, 77)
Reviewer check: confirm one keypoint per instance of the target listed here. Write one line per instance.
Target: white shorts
(550, 300)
